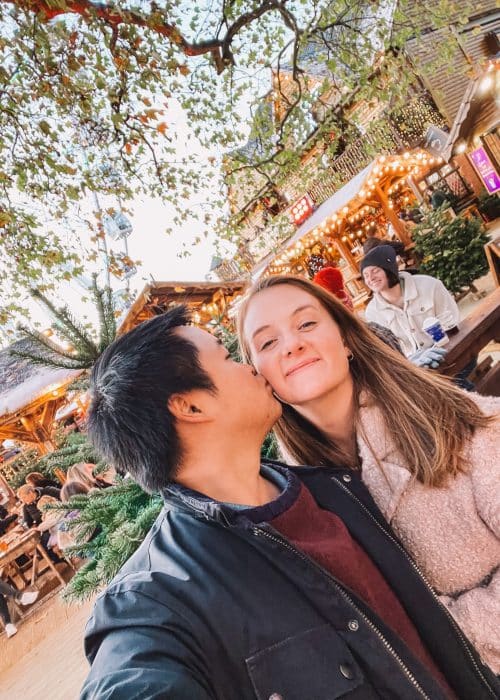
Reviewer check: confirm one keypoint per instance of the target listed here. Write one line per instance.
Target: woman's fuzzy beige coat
(453, 533)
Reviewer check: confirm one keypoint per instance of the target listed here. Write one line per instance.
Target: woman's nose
(292, 344)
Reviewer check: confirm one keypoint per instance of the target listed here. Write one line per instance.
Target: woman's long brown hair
(428, 418)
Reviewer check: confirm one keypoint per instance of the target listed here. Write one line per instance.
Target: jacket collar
(410, 292)
(229, 515)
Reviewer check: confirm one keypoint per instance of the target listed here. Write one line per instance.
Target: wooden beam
(395, 221)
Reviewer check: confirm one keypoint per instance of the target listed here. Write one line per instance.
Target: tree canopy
(95, 97)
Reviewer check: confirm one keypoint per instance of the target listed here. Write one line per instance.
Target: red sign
(301, 210)
(485, 169)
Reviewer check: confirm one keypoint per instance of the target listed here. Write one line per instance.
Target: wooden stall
(369, 205)
(208, 301)
(30, 396)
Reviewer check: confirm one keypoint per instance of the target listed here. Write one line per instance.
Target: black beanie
(382, 256)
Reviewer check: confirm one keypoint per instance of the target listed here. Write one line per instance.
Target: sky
(148, 242)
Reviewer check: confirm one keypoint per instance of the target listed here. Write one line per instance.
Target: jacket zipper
(258, 531)
(424, 579)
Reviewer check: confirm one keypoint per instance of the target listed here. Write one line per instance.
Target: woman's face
(295, 344)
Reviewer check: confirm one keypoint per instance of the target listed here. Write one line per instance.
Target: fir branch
(67, 325)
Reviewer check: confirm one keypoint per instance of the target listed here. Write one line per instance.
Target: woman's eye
(267, 344)
(307, 324)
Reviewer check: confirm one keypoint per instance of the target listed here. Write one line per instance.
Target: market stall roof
(334, 203)
(157, 297)
(337, 201)
(22, 382)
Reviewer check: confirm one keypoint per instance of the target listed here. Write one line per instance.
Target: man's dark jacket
(214, 606)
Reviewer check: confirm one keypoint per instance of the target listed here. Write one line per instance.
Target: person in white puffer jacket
(402, 302)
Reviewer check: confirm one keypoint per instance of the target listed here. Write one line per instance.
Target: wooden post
(398, 225)
(7, 489)
(415, 189)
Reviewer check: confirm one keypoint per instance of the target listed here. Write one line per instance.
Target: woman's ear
(187, 408)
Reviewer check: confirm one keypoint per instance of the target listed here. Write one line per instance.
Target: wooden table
(475, 331)
(27, 543)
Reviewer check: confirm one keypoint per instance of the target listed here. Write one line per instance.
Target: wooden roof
(22, 382)
(30, 395)
(158, 297)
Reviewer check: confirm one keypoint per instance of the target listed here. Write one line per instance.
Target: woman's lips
(300, 366)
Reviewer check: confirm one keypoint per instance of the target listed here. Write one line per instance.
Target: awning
(337, 201)
(333, 204)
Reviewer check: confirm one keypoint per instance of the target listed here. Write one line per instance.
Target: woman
(428, 452)
(67, 535)
(84, 473)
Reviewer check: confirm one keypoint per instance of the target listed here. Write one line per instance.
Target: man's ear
(187, 407)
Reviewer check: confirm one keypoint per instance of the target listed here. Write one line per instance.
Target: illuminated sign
(301, 210)
(485, 169)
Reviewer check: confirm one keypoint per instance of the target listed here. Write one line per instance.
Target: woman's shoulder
(489, 405)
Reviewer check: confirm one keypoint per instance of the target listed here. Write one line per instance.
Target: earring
(350, 357)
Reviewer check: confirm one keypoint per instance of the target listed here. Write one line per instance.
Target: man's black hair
(129, 422)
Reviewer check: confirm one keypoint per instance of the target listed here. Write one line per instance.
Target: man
(256, 581)
(402, 302)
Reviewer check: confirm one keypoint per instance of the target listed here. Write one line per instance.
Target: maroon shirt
(323, 537)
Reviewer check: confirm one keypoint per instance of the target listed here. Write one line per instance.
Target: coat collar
(410, 292)
(230, 515)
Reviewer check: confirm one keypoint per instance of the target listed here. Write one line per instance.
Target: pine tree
(451, 250)
(84, 348)
(110, 526)
(72, 449)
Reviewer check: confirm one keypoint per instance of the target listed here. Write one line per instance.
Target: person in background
(374, 242)
(6, 519)
(439, 198)
(21, 597)
(32, 517)
(29, 496)
(402, 302)
(84, 473)
(40, 481)
(331, 279)
(67, 536)
(50, 519)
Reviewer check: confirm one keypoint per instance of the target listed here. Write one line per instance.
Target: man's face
(243, 398)
(375, 279)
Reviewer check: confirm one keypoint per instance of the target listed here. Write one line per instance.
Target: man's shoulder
(374, 307)
(423, 280)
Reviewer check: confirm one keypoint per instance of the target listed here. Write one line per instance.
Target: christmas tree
(451, 249)
(83, 348)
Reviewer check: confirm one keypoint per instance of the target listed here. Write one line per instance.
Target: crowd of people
(33, 510)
